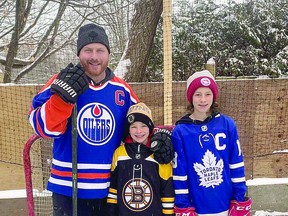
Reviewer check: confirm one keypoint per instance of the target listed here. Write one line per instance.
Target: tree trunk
(141, 35)
(13, 46)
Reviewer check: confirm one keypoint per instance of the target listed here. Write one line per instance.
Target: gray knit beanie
(91, 33)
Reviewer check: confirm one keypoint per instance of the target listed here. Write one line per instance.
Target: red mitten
(240, 208)
(190, 211)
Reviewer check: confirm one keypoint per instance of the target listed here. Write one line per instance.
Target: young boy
(139, 184)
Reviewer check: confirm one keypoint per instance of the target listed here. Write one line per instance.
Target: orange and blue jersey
(101, 115)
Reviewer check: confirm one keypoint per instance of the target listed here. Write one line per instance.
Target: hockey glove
(162, 147)
(240, 208)
(190, 211)
(70, 83)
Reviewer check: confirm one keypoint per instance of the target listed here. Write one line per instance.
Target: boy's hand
(161, 145)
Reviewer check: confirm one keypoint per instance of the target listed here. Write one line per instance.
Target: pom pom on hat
(91, 33)
(138, 112)
(201, 79)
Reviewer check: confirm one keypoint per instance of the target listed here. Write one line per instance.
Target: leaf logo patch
(210, 172)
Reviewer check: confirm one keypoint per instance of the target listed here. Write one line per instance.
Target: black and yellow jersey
(139, 184)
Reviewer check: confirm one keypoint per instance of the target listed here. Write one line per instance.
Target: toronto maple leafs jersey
(101, 115)
(139, 185)
(208, 170)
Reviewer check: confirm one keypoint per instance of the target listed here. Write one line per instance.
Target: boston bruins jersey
(139, 185)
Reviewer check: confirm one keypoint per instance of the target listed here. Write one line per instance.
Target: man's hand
(70, 83)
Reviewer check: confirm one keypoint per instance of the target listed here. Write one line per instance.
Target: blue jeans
(62, 206)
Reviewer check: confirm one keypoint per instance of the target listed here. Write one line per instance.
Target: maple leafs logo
(210, 172)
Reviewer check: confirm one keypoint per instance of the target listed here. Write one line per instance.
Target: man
(102, 100)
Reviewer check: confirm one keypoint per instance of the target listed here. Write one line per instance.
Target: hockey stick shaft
(74, 161)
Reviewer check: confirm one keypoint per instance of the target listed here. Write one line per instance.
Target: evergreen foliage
(245, 39)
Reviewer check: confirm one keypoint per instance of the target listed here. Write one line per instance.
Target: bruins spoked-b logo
(137, 194)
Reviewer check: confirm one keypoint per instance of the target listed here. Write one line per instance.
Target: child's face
(202, 100)
(139, 132)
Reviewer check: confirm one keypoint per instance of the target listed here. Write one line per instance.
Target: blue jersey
(208, 168)
(101, 115)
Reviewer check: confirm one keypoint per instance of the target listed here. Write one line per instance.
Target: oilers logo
(137, 194)
(96, 124)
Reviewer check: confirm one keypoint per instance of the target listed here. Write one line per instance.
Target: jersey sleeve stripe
(81, 185)
(180, 178)
(123, 158)
(112, 190)
(81, 175)
(237, 180)
(168, 205)
(120, 82)
(167, 199)
(58, 112)
(82, 165)
(181, 191)
(168, 212)
(31, 120)
(38, 125)
(237, 165)
(113, 201)
(48, 84)
(43, 117)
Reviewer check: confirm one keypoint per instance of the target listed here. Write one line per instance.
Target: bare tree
(33, 32)
(141, 35)
(20, 17)
(23, 32)
(119, 25)
(42, 28)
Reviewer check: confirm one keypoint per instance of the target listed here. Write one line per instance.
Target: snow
(266, 213)
(122, 68)
(266, 181)
(10, 194)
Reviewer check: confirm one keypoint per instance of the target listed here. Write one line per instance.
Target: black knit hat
(138, 112)
(91, 33)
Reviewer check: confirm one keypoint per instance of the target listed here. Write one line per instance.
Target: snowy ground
(266, 213)
(10, 194)
(266, 181)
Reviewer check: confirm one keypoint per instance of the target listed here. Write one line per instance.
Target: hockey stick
(74, 161)
(28, 174)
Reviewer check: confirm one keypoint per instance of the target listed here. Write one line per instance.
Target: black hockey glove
(161, 145)
(70, 83)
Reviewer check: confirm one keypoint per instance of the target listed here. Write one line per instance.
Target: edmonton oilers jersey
(101, 115)
(208, 169)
